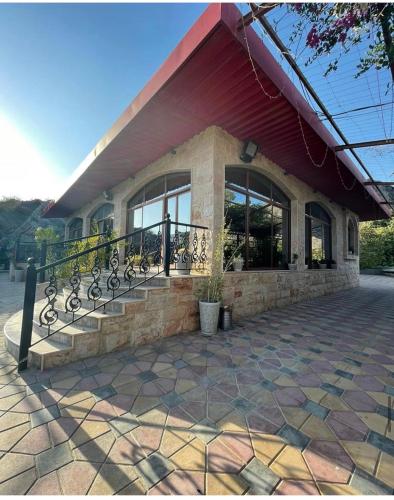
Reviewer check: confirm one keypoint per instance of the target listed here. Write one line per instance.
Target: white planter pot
(209, 316)
(19, 275)
(238, 264)
(322, 266)
(292, 267)
(12, 272)
(183, 268)
(306, 267)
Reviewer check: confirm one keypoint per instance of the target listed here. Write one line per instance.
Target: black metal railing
(56, 250)
(129, 261)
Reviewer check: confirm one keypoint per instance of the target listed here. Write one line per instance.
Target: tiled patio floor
(293, 401)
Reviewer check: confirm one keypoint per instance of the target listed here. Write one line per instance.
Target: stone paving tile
(260, 478)
(47, 485)
(53, 458)
(153, 469)
(290, 393)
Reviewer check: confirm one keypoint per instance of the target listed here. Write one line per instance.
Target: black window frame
(326, 222)
(270, 201)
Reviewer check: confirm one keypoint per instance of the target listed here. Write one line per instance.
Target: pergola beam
(286, 54)
(367, 144)
(259, 11)
(379, 183)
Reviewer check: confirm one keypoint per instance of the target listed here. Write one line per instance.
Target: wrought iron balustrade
(110, 269)
(56, 250)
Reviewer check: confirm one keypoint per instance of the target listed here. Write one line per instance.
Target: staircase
(85, 337)
(95, 301)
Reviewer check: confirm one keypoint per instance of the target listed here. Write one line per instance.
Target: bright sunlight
(24, 171)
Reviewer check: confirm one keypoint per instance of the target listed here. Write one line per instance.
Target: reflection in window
(75, 229)
(257, 213)
(317, 234)
(102, 219)
(166, 194)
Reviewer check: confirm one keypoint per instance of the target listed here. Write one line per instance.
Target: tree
(377, 244)
(346, 25)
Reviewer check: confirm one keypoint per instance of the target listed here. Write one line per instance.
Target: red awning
(209, 80)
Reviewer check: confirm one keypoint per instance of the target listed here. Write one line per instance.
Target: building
(181, 147)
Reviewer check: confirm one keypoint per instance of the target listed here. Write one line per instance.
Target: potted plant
(19, 274)
(351, 251)
(211, 292)
(332, 264)
(183, 264)
(293, 264)
(238, 262)
(323, 264)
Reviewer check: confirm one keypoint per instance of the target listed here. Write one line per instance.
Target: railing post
(43, 259)
(28, 311)
(167, 245)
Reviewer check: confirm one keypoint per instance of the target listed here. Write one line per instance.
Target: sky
(67, 71)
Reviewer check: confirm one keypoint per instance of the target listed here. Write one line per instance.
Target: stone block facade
(206, 156)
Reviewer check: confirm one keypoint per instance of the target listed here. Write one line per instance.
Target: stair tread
(12, 330)
(93, 314)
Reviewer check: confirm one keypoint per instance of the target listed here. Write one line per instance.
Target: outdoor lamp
(249, 151)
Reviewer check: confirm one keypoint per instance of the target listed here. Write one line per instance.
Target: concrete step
(42, 355)
(116, 306)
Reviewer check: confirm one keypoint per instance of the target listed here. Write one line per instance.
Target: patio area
(294, 401)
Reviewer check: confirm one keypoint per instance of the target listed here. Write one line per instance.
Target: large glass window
(257, 214)
(102, 219)
(75, 229)
(166, 194)
(317, 234)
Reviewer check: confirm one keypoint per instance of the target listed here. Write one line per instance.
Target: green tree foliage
(377, 244)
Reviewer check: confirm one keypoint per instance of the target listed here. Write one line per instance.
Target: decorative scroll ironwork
(175, 257)
(186, 256)
(48, 315)
(144, 262)
(73, 302)
(113, 282)
(194, 255)
(94, 290)
(203, 254)
(129, 272)
(157, 257)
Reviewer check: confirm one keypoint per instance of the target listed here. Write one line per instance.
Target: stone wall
(251, 293)
(206, 156)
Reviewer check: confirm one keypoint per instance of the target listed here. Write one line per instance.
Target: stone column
(208, 189)
(298, 232)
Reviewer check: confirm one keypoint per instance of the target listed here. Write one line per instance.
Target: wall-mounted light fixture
(249, 151)
(107, 195)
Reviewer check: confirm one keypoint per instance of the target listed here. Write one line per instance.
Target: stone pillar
(208, 190)
(298, 232)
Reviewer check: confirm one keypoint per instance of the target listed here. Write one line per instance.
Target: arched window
(75, 228)
(102, 219)
(351, 237)
(317, 234)
(167, 194)
(258, 216)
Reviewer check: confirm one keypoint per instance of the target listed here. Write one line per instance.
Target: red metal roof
(209, 80)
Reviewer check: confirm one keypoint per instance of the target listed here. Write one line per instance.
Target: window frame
(248, 193)
(76, 221)
(308, 232)
(109, 217)
(165, 196)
